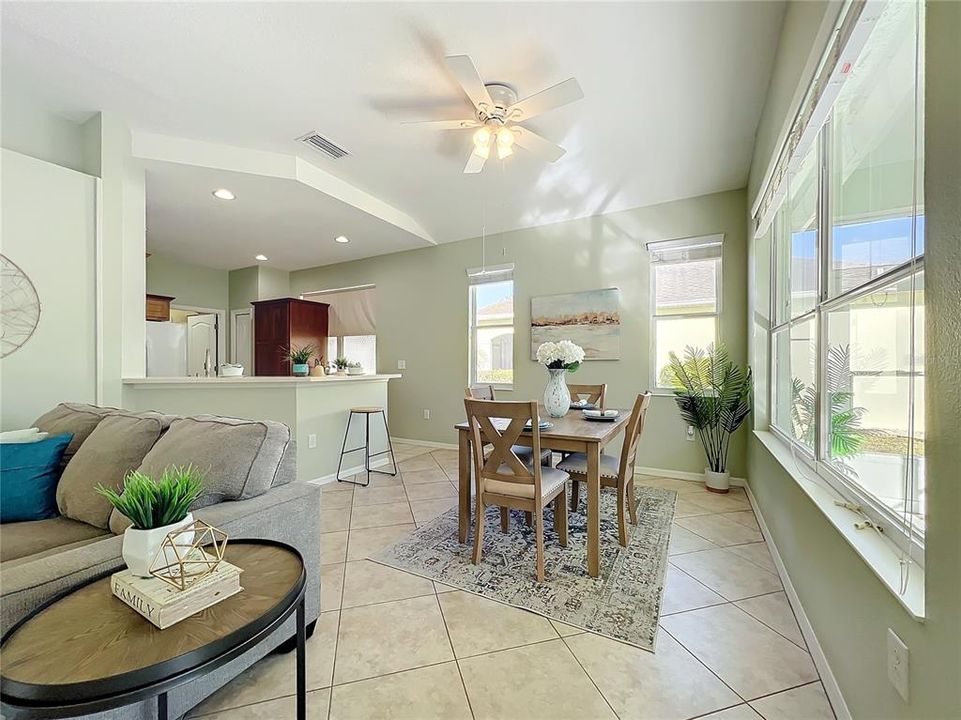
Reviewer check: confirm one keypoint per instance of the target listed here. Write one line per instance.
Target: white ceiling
(673, 93)
(289, 222)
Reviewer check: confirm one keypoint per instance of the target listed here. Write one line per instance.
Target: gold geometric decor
(183, 557)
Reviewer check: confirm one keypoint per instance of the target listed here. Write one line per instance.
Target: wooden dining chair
(486, 392)
(594, 394)
(615, 472)
(503, 479)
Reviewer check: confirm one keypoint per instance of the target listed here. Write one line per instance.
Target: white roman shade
(704, 247)
(351, 310)
(492, 273)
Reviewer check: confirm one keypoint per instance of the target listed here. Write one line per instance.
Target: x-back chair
(615, 472)
(503, 479)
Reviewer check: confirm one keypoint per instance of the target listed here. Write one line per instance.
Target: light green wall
(273, 283)
(849, 608)
(257, 282)
(243, 288)
(188, 284)
(421, 313)
(27, 129)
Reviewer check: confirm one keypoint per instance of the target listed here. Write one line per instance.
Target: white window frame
(340, 347)
(719, 294)
(816, 459)
(498, 274)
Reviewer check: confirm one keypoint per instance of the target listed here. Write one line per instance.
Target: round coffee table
(85, 651)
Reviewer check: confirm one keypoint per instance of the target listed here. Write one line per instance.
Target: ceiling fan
(498, 114)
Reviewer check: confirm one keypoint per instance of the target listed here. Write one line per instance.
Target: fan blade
(462, 68)
(555, 96)
(534, 143)
(475, 163)
(444, 124)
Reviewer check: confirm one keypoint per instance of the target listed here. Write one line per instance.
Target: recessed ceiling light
(262, 258)
(223, 194)
(341, 239)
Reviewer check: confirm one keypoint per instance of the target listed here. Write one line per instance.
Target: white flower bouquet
(563, 355)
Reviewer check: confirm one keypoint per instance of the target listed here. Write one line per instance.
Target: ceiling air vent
(321, 144)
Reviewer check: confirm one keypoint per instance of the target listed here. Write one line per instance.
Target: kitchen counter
(254, 381)
(314, 408)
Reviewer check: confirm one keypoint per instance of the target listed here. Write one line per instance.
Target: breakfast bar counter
(315, 408)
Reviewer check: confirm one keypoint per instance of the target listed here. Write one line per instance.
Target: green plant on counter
(341, 363)
(148, 504)
(299, 355)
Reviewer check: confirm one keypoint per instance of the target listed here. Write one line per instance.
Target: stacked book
(164, 605)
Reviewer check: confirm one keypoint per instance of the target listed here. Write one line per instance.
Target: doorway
(242, 339)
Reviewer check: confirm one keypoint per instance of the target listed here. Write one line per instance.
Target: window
(491, 301)
(686, 292)
(351, 328)
(847, 286)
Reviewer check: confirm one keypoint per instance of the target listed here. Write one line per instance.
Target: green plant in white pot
(155, 508)
(714, 396)
(300, 359)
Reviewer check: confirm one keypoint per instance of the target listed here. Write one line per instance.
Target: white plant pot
(140, 547)
(719, 482)
(557, 397)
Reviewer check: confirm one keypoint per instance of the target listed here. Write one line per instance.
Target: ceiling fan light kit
(498, 115)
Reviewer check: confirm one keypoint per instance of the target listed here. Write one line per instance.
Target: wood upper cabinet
(158, 307)
(279, 324)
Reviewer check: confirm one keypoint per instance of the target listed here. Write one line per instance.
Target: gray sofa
(250, 492)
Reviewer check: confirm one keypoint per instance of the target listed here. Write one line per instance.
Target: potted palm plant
(155, 508)
(714, 396)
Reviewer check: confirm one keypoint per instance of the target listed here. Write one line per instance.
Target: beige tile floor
(393, 645)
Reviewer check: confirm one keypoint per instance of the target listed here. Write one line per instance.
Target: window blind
(855, 22)
(351, 310)
(704, 247)
(492, 273)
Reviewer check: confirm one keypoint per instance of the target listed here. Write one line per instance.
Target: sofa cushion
(240, 459)
(115, 447)
(28, 479)
(77, 419)
(22, 539)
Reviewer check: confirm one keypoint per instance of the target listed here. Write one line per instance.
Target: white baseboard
(425, 443)
(830, 683)
(682, 475)
(347, 472)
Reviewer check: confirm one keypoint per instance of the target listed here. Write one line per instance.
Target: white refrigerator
(166, 349)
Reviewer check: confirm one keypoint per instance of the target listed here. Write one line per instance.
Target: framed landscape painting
(590, 319)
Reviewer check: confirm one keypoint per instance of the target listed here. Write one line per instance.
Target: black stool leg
(344, 451)
(367, 446)
(390, 445)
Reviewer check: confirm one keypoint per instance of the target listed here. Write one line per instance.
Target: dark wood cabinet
(280, 324)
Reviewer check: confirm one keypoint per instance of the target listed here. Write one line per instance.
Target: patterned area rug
(623, 603)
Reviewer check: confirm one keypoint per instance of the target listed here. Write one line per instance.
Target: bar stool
(366, 412)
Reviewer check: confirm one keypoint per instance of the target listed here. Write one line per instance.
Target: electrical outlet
(426, 414)
(312, 441)
(690, 433)
(401, 364)
(898, 664)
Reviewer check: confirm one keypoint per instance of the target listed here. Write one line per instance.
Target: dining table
(569, 434)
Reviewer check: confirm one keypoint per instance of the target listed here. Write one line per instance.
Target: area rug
(624, 603)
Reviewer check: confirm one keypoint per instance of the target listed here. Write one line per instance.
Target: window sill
(879, 553)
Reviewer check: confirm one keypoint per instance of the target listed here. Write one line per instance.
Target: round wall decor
(19, 307)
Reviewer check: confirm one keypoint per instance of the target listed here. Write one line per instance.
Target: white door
(202, 344)
(242, 340)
